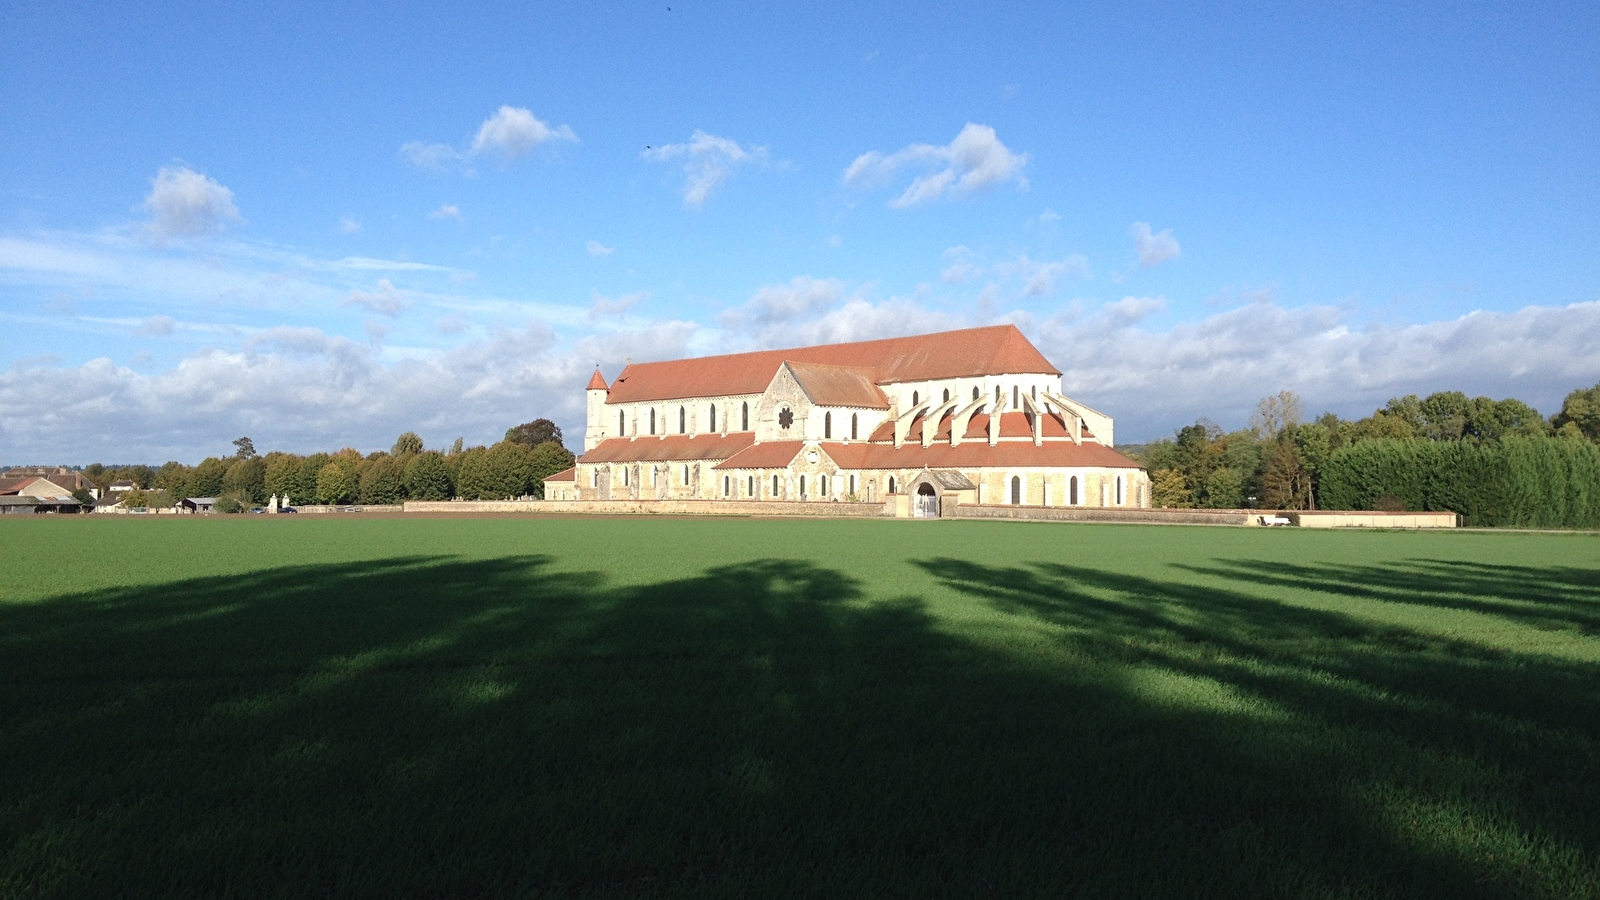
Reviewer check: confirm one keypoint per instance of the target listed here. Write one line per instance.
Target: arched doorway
(927, 505)
(1016, 490)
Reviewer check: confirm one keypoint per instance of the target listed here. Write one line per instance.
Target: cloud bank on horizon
(307, 285)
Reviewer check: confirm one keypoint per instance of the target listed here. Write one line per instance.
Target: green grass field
(336, 706)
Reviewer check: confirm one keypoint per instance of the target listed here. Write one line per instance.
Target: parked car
(288, 509)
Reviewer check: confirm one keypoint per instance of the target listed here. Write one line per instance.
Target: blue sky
(321, 227)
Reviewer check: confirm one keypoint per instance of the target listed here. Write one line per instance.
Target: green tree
(1169, 489)
(174, 478)
(408, 443)
(427, 477)
(381, 482)
(547, 459)
(207, 478)
(335, 484)
(1581, 410)
(310, 469)
(282, 475)
(532, 434)
(244, 448)
(1285, 483)
(246, 478)
(1225, 489)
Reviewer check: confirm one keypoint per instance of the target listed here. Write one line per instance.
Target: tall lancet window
(713, 418)
(744, 417)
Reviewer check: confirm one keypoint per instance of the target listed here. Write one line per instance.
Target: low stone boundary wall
(315, 509)
(1349, 519)
(1106, 514)
(653, 507)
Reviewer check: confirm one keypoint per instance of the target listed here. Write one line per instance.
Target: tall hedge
(1514, 481)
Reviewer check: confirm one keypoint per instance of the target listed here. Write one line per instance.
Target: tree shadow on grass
(1564, 598)
(438, 727)
(1358, 721)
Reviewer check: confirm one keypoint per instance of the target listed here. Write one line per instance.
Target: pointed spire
(597, 382)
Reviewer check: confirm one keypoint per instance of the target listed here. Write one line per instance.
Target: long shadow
(429, 726)
(1555, 598)
(1358, 709)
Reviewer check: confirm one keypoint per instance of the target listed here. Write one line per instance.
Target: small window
(652, 420)
(594, 478)
(1119, 490)
(750, 486)
(1015, 400)
(686, 475)
(1072, 491)
(852, 484)
(624, 476)
(891, 484)
(713, 418)
(774, 487)
(1016, 490)
(802, 487)
(744, 417)
(947, 395)
(823, 485)
(622, 422)
(785, 418)
(653, 473)
(827, 426)
(915, 398)
(1035, 390)
(854, 420)
(997, 393)
(727, 485)
(683, 421)
(976, 393)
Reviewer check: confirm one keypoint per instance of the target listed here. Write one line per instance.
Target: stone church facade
(971, 416)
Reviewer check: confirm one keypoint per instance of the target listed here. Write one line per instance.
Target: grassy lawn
(295, 706)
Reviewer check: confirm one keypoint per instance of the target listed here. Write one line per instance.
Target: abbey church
(971, 416)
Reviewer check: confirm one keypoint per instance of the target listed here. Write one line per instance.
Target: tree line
(516, 466)
(1496, 462)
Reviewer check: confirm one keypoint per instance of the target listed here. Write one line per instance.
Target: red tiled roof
(596, 382)
(976, 454)
(568, 474)
(1012, 425)
(839, 385)
(673, 447)
(770, 455)
(995, 350)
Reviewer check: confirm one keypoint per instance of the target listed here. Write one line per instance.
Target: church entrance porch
(927, 502)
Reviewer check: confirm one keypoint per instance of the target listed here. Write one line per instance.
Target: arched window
(622, 422)
(822, 486)
(594, 478)
(1014, 397)
(852, 483)
(1035, 390)
(947, 395)
(713, 418)
(1016, 490)
(685, 474)
(1072, 491)
(975, 392)
(744, 417)
(802, 487)
(997, 393)
(853, 423)
(774, 487)
(727, 485)
(1119, 490)
(683, 421)
(891, 484)
(652, 420)
(915, 398)
(750, 486)
(624, 476)
(827, 426)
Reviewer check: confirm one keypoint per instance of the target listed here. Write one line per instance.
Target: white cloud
(1153, 248)
(596, 248)
(976, 160)
(430, 156)
(384, 300)
(1049, 216)
(349, 225)
(708, 162)
(157, 325)
(510, 132)
(447, 211)
(601, 305)
(514, 131)
(782, 302)
(1041, 277)
(184, 204)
